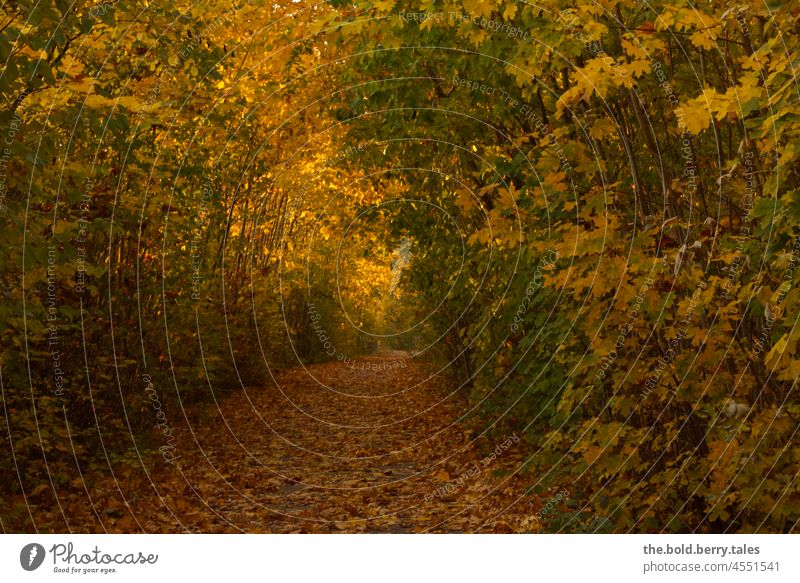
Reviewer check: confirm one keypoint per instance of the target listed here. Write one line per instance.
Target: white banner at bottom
(400, 558)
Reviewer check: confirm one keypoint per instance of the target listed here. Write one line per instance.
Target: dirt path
(368, 446)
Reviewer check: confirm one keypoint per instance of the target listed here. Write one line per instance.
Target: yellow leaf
(695, 115)
(95, 100)
(704, 39)
(742, 94)
(595, 30)
(602, 127)
(777, 350)
(592, 453)
(665, 20)
(634, 50)
(478, 7)
(384, 5)
(426, 24)
(465, 200)
(510, 12)
(639, 67)
(506, 198)
(477, 36)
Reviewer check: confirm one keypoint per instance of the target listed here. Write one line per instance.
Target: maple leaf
(384, 5)
(704, 39)
(479, 7)
(510, 11)
(697, 112)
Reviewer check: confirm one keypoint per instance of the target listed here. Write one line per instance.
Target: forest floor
(370, 445)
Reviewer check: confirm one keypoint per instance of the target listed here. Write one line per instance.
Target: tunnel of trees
(583, 216)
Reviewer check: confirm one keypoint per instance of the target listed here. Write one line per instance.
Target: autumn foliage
(597, 203)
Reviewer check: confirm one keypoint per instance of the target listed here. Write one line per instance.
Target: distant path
(374, 451)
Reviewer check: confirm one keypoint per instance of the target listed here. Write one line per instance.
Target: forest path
(369, 445)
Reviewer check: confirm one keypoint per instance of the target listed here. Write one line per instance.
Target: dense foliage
(626, 177)
(597, 201)
(162, 170)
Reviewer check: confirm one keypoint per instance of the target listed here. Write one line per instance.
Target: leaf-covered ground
(372, 445)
